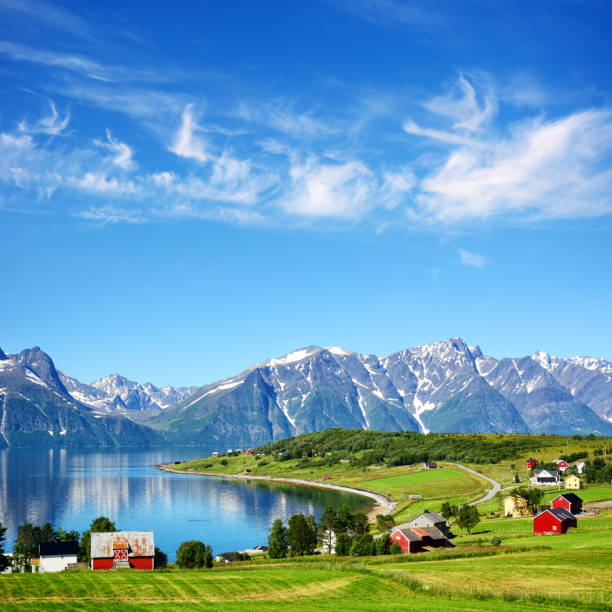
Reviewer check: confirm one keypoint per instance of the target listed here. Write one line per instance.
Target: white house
(579, 466)
(545, 477)
(55, 556)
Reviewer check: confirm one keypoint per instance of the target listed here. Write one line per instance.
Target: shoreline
(383, 504)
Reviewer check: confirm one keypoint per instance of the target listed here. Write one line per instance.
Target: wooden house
(569, 501)
(516, 506)
(416, 539)
(555, 520)
(545, 477)
(531, 463)
(572, 482)
(428, 519)
(562, 465)
(122, 549)
(55, 556)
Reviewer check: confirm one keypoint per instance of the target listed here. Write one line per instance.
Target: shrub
(193, 554)
(395, 549)
(223, 461)
(160, 560)
(496, 541)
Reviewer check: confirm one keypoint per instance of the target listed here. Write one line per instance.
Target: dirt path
(490, 493)
(384, 504)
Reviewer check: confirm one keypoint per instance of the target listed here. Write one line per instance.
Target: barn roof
(139, 543)
(560, 513)
(410, 535)
(433, 532)
(572, 498)
(434, 517)
(47, 549)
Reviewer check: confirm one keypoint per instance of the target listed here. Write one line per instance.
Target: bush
(496, 541)
(193, 554)
(223, 461)
(395, 549)
(160, 560)
(363, 546)
(343, 544)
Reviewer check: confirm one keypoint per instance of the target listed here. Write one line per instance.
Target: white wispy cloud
(121, 152)
(391, 12)
(462, 105)
(187, 143)
(51, 125)
(48, 14)
(410, 127)
(473, 260)
(542, 168)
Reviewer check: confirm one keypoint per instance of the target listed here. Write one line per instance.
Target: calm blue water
(70, 487)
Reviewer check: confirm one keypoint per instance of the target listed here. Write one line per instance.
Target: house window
(554, 528)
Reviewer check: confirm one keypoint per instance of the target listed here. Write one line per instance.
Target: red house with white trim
(122, 549)
(561, 464)
(569, 501)
(555, 520)
(531, 463)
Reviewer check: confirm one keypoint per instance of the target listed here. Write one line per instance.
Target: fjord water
(70, 487)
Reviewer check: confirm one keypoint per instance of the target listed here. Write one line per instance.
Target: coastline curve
(384, 504)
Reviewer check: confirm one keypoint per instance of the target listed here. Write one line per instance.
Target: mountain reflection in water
(70, 487)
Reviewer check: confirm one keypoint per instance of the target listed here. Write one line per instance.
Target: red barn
(569, 501)
(416, 539)
(531, 463)
(555, 520)
(122, 549)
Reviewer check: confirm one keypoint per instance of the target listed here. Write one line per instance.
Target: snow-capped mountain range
(446, 386)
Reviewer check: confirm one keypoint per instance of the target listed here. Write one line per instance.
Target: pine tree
(327, 527)
(277, 540)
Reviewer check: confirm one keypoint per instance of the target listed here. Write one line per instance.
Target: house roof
(546, 473)
(560, 513)
(139, 543)
(572, 498)
(433, 532)
(410, 534)
(434, 517)
(47, 549)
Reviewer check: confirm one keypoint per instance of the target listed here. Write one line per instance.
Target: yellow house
(572, 482)
(515, 506)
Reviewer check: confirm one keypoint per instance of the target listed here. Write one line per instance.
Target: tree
(327, 527)
(385, 522)
(383, 545)
(361, 524)
(191, 554)
(208, 557)
(468, 518)
(102, 524)
(277, 540)
(160, 560)
(4, 561)
(517, 478)
(345, 520)
(363, 546)
(395, 549)
(26, 546)
(448, 511)
(300, 535)
(343, 544)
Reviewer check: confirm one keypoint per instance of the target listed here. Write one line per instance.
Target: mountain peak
(42, 365)
(2, 355)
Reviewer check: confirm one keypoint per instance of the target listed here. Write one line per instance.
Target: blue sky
(188, 188)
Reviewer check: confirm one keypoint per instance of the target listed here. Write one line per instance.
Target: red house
(122, 549)
(531, 463)
(417, 539)
(249, 451)
(561, 464)
(569, 501)
(555, 520)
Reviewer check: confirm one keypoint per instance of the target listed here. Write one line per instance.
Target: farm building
(112, 550)
(572, 482)
(531, 463)
(568, 501)
(413, 540)
(555, 520)
(515, 506)
(55, 556)
(545, 477)
(429, 465)
(428, 519)
(561, 464)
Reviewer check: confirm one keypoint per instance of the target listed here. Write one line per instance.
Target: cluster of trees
(4, 562)
(597, 470)
(339, 531)
(532, 495)
(402, 448)
(465, 517)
